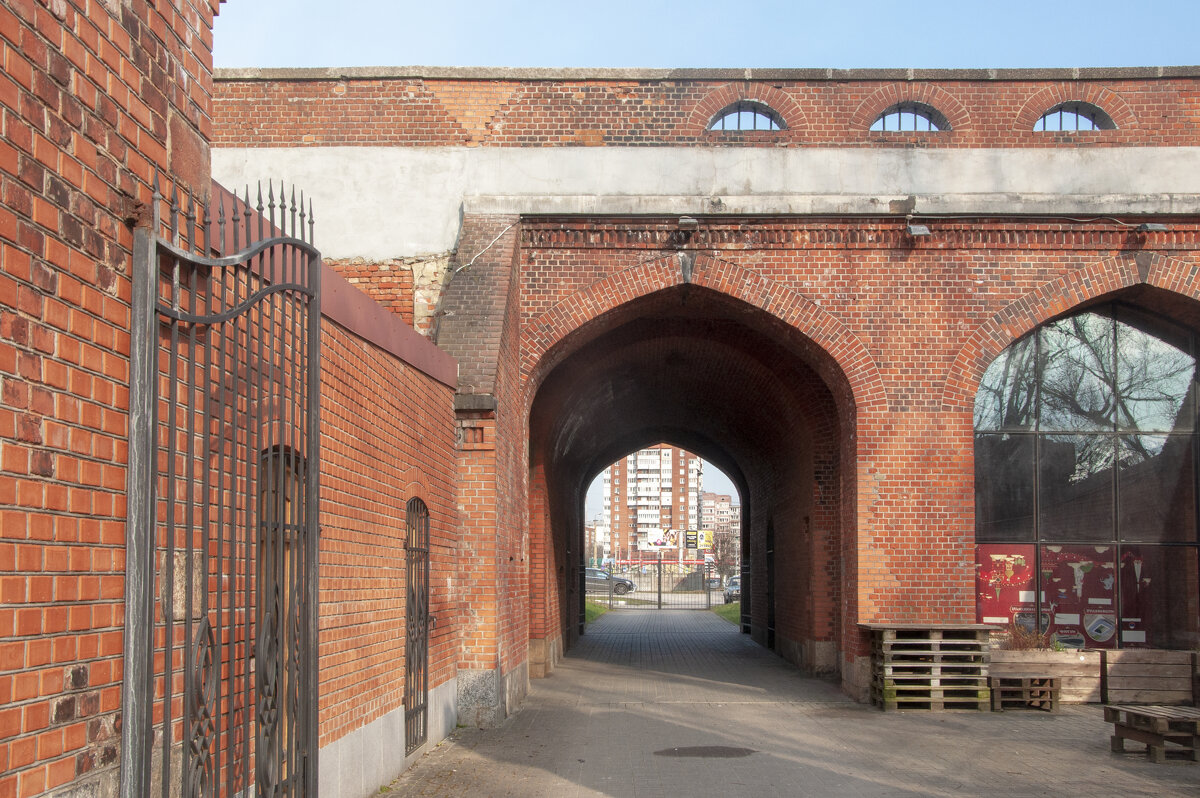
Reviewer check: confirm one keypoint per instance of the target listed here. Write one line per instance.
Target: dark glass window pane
(1159, 597)
(1156, 488)
(1004, 584)
(1005, 400)
(1075, 487)
(1079, 594)
(1155, 375)
(1077, 371)
(1004, 487)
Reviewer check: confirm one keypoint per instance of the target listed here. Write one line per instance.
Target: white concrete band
(390, 202)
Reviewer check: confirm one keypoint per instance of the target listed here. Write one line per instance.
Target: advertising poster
(691, 539)
(1078, 592)
(706, 538)
(658, 539)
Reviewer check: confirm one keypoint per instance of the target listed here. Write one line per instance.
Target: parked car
(598, 581)
(733, 589)
(713, 583)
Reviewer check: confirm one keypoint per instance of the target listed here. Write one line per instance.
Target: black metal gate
(416, 646)
(220, 690)
(654, 584)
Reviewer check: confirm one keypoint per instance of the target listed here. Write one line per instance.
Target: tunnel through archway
(707, 372)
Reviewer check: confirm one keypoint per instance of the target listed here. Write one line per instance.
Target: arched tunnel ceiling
(687, 366)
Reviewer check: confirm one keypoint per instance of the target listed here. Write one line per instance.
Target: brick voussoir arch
(1104, 99)
(724, 96)
(846, 352)
(926, 93)
(1053, 299)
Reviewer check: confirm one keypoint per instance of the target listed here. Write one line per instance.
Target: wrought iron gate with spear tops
(220, 683)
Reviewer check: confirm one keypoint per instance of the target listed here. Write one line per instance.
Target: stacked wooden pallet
(1024, 691)
(938, 667)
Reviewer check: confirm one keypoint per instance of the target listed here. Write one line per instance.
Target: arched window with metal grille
(1074, 116)
(416, 662)
(747, 115)
(908, 117)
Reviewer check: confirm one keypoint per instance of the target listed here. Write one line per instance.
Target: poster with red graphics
(1078, 598)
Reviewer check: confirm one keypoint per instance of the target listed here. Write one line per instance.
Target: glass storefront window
(1079, 589)
(1159, 595)
(1075, 487)
(1156, 488)
(1076, 356)
(1005, 400)
(1154, 378)
(1004, 492)
(1085, 483)
(1004, 585)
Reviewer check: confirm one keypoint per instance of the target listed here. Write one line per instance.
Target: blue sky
(839, 34)
(706, 33)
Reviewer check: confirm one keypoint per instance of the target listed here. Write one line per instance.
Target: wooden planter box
(1130, 676)
(1078, 672)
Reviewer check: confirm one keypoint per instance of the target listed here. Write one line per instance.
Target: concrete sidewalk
(678, 703)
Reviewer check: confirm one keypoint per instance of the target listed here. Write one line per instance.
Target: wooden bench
(1024, 691)
(1155, 726)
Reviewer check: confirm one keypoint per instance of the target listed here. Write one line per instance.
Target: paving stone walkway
(679, 703)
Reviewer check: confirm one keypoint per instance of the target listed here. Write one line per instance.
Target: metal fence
(657, 585)
(220, 693)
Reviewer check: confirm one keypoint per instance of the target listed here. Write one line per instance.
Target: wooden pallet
(1155, 727)
(930, 667)
(1024, 691)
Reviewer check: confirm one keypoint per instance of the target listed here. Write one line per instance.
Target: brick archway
(1052, 299)
(838, 355)
(735, 367)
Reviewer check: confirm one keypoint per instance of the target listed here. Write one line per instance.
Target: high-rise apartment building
(651, 489)
(719, 513)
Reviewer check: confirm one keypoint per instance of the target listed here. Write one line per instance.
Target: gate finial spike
(206, 225)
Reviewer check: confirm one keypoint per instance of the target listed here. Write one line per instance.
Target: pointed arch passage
(692, 365)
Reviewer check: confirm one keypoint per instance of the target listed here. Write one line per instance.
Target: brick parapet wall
(405, 110)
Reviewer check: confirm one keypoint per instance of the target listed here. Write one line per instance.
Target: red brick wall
(911, 325)
(390, 283)
(387, 436)
(819, 109)
(93, 98)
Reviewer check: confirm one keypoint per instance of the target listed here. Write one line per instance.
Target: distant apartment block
(651, 489)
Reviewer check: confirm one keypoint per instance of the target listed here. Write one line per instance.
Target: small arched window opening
(747, 115)
(1074, 116)
(911, 116)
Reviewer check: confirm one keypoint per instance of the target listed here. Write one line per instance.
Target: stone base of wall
(360, 763)
(487, 697)
(813, 657)
(856, 677)
(544, 656)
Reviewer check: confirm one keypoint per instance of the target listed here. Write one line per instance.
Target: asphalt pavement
(679, 703)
